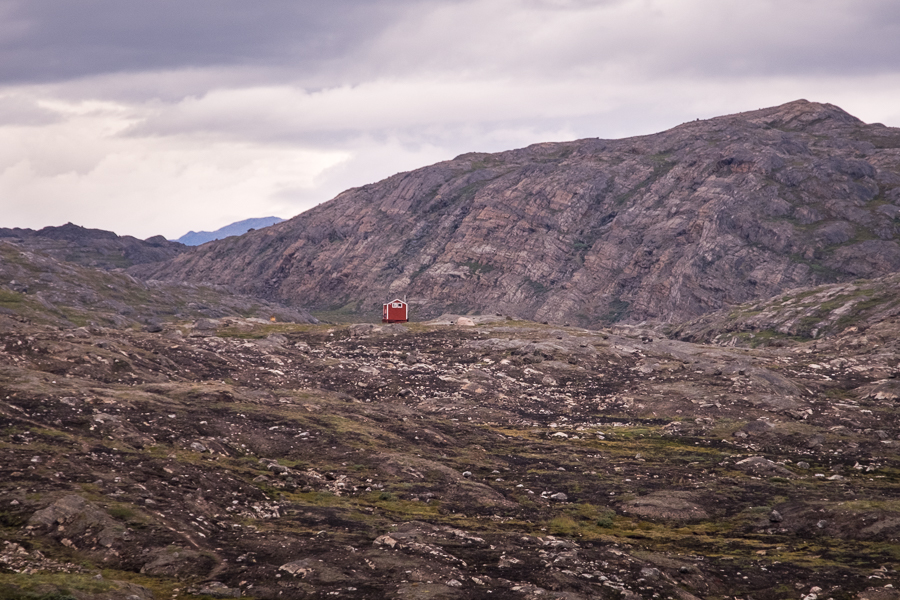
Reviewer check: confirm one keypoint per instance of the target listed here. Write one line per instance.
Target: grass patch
(319, 498)
(50, 586)
(264, 330)
(587, 521)
(563, 525)
(122, 511)
(477, 268)
(388, 503)
(869, 505)
(10, 299)
(537, 286)
(617, 310)
(581, 245)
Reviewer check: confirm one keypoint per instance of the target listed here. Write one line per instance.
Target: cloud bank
(161, 117)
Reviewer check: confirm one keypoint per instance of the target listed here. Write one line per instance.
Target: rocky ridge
(663, 227)
(93, 247)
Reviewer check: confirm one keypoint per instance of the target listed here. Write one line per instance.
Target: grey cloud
(50, 40)
(348, 41)
(770, 38)
(693, 38)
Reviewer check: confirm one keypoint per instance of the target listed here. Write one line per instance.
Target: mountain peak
(801, 114)
(666, 226)
(196, 238)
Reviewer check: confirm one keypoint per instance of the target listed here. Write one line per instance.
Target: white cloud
(80, 169)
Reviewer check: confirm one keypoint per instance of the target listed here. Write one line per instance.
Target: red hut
(394, 311)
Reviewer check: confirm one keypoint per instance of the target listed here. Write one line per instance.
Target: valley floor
(503, 460)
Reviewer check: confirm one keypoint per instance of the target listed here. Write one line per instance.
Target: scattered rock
(299, 568)
(759, 465)
(203, 327)
(508, 561)
(879, 593)
(217, 589)
(362, 329)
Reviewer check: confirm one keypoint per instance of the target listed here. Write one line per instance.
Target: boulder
(757, 427)
(177, 562)
(671, 506)
(76, 515)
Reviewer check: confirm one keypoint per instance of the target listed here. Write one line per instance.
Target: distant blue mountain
(195, 238)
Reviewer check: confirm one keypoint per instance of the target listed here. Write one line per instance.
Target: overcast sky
(160, 117)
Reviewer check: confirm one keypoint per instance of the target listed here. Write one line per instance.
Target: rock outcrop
(667, 226)
(93, 247)
(804, 313)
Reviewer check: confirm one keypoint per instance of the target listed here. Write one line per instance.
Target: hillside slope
(802, 314)
(667, 226)
(38, 287)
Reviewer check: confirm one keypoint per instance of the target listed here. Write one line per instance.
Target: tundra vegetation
(211, 452)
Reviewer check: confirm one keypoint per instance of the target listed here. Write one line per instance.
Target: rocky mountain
(666, 227)
(93, 247)
(195, 238)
